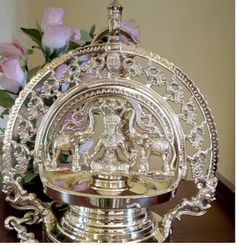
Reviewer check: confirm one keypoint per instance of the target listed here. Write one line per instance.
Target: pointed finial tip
(115, 4)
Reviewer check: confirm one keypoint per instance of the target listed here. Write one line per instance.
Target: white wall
(13, 15)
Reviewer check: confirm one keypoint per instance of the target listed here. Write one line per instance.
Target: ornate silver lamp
(125, 129)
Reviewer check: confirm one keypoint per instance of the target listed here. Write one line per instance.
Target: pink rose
(9, 85)
(13, 76)
(130, 26)
(12, 69)
(51, 17)
(56, 37)
(76, 37)
(15, 49)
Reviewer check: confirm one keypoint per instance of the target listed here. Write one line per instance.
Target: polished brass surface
(126, 130)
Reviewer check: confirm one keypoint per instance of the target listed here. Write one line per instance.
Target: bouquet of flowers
(52, 38)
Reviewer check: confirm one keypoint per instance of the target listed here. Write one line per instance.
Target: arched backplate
(145, 123)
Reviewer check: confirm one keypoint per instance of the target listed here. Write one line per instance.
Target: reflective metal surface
(114, 225)
(90, 191)
(121, 136)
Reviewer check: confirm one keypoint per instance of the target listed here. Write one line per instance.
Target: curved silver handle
(195, 206)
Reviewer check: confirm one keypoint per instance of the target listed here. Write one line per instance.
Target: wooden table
(217, 225)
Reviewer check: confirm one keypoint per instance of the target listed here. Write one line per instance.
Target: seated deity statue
(111, 140)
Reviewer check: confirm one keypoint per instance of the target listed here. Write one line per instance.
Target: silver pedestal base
(80, 224)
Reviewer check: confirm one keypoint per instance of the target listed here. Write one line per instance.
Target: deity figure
(112, 141)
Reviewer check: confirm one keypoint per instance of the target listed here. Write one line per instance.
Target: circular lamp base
(80, 224)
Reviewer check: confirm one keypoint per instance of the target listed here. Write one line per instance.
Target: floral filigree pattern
(197, 163)
(95, 65)
(154, 76)
(36, 107)
(72, 72)
(22, 155)
(131, 67)
(188, 112)
(174, 91)
(25, 129)
(50, 87)
(196, 136)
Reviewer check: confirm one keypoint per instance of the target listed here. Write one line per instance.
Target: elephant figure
(150, 144)
(159, 147)
(64, 143)
(70, 141)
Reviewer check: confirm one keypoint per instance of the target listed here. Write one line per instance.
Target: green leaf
(85, 36)
(33, 47)
(29, 176)
(34, 34)
(30, 51)
(92, 30)
(14, 96)
(58, 52)
(5, 112)
(38, 26)
(47, 52)
(32, 72)
(73, 45)
(6, 100)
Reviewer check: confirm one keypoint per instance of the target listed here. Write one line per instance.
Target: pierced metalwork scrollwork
(155, 76)
(95, 65)
(25, 129)
(189, 112)
(36, 106)
(174, 91)
(50, 87)
(132, 68)
(196, 136)
(72, 72)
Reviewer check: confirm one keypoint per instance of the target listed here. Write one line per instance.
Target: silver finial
(114, 18)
